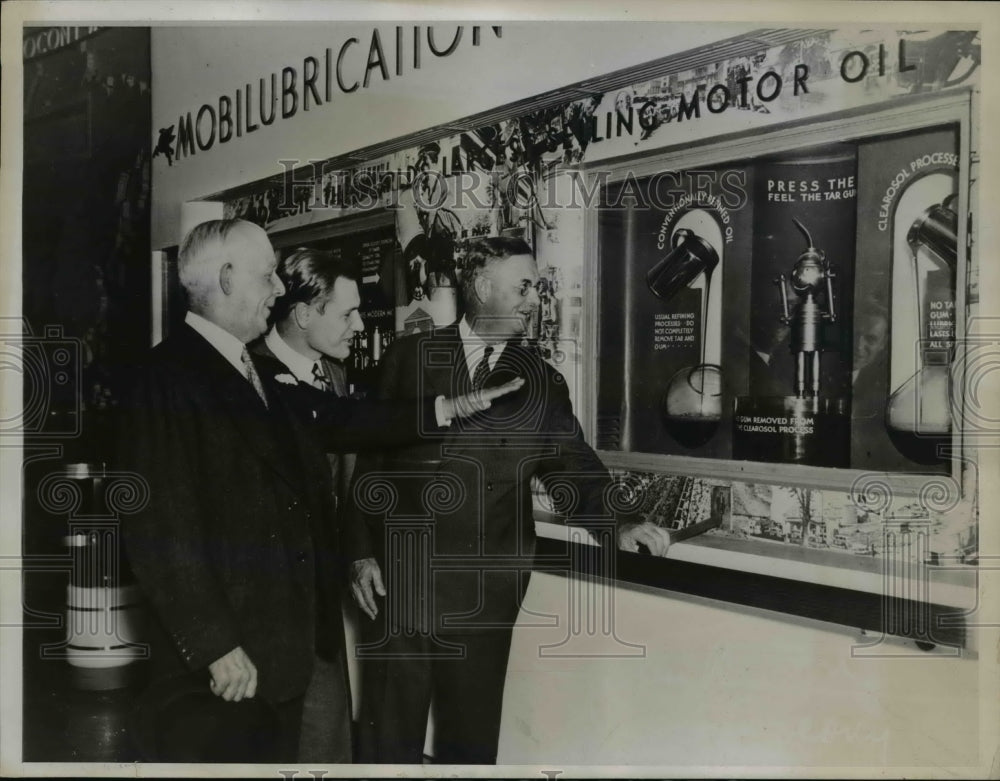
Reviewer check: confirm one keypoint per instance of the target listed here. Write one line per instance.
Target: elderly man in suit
(463, 498)
(235, 546)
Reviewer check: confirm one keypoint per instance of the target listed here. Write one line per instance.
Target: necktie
(482, 369)
(320, 380)
(251, 372)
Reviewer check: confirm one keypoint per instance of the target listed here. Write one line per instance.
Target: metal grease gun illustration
(811, 276)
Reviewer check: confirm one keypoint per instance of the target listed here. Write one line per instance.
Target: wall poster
(797, 308)
(782, 326)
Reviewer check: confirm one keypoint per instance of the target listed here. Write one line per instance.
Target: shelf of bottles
(367, 349)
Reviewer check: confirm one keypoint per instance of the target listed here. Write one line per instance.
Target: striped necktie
(320, 380)
(251, 373)
(482, 369)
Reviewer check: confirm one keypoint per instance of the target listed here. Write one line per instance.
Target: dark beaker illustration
(691, 255)
(693, 397)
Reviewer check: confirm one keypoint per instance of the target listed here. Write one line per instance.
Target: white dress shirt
(298, 364)
(228, 345)
(474, 347)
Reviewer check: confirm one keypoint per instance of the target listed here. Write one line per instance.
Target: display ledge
(822, 478)
(924, 603)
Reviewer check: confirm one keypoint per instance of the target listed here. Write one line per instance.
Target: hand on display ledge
(645, 537)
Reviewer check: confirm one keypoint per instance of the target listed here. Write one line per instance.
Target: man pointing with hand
(444, 590)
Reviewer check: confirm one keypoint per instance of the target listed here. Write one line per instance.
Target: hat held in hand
(178, 719)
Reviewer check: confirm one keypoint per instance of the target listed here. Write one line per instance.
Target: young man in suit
(462, 496)
(314, 323)
(234, 545)
(313, 326)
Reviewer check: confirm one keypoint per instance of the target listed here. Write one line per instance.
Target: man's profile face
(512, 298)
(331, 330)
(255, 285)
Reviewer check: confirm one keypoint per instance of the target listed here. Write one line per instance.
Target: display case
(792, 298)
(782, 314)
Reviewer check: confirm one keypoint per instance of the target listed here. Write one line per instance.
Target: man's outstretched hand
(478, 401)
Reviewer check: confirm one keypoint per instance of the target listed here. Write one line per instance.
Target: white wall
(725, 686)
(195, 65)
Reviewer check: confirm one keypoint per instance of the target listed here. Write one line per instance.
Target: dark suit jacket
(471, 484)
(239, 510)
(341, 464)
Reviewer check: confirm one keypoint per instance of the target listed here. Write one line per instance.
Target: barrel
(104, 610)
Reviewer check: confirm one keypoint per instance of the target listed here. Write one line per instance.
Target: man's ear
(226, 277)
(482, 286)
(302, 313)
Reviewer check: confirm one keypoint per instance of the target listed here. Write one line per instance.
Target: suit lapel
(453, 379)
(442, 361)
(260, 427)
(335, 374)
(294, 435)
(508, 365)
(292, 441)
(260, 348)
(508, 411)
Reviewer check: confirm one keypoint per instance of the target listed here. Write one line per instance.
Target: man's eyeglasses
(541, 287)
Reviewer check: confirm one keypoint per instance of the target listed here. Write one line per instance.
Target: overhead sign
(316, 82)
(45, 40)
